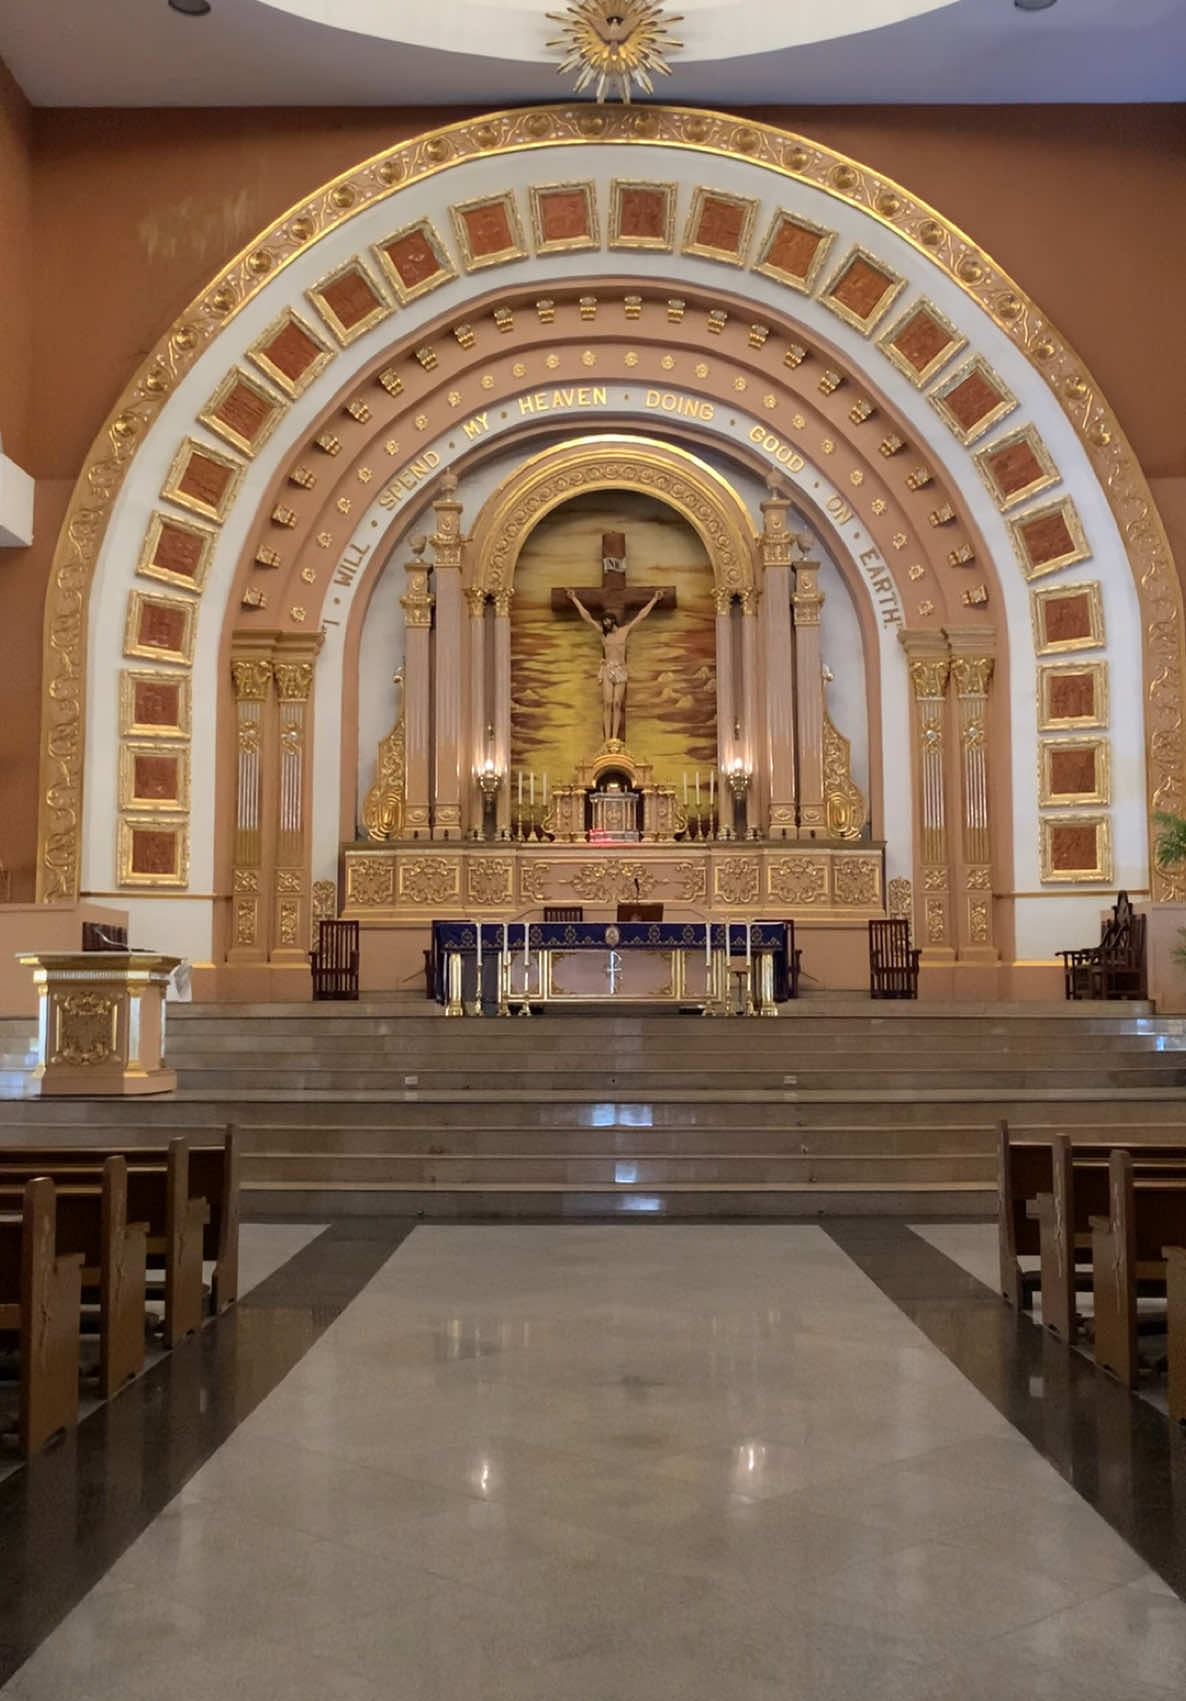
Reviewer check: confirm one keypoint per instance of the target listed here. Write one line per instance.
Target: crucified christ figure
(612, 672)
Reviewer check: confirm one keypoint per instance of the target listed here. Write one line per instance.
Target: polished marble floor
(600, 1463)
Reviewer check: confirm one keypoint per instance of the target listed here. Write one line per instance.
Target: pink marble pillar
(416, 603)
(809, 700)
(451, 671)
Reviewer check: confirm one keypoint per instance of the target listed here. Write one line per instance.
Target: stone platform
(842, 1106)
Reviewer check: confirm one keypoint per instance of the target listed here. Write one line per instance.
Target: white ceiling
(255, 53)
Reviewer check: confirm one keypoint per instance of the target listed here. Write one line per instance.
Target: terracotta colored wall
(134, 210)
(16, 269)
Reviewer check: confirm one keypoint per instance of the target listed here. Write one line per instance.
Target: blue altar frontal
(477, 965)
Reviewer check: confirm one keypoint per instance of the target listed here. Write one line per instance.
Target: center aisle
(712, 1463)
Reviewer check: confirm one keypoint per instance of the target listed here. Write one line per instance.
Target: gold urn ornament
(612, 44)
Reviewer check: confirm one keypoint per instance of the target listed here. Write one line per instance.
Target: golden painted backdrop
(555, 696)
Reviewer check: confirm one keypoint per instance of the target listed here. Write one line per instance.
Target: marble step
(366, 1169)
(690, 1200)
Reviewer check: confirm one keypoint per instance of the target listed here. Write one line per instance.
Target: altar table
(664, 963)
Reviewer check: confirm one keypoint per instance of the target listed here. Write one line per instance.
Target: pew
(1145, 1215)
(184, 1227)
(1175, 1316)
(92, 1220)
(41, 1304)
(1023, 1171)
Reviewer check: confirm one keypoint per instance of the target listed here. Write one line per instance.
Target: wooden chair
(564, 912)
(1116, 967)
(335, 962)
(788, 969)
(893, 961)
(640, 912)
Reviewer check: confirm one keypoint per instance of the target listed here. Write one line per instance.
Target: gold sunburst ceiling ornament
(614, 43)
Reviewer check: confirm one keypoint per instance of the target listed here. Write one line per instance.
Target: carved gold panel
(176, 552)
(856, 882)
(1048, 538)
(642, 215)
(488, 881)
(415, 260)
(862, 290)
(291, 353)
(153, 704)
(794, 251)
(1076, 849)
(243, 412)
(564, 217)
(1072, 695)
(1016, 467)
(736, 881)
(85, 1028)
(489, 231)
(797, 881)
(720, 226)
(159, 627)
(152, 851)
(1073, 770)
(203, 480)
(1067, 617)
(350, 300)
(370, 882)
(154, 777)
(921, 341)
(430, 879)
(972, 400)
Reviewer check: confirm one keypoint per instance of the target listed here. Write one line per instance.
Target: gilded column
(809, 698)
(292, 669)
(502, 704)
(751, 731)
(929, 667)
(726, 713)
(450, 672)
(416, 603)
(251, 674)
(971, 674)
(780, 667)
(480, 744)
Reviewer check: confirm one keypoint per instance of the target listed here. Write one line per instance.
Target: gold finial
(614, 43)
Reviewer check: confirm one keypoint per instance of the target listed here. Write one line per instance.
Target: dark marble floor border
(66, 1517)
(1122, 1455)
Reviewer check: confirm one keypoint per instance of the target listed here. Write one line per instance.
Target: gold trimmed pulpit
(101, 1022)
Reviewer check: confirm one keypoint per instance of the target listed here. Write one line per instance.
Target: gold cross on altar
(613, 595)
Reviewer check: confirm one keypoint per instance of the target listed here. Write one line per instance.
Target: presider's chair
(334, 964)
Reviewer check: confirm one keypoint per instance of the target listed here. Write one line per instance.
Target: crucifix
(611, 601)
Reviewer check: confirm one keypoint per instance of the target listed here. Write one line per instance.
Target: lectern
(101, 1022)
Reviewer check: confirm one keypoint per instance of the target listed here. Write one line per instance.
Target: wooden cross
(613, 595)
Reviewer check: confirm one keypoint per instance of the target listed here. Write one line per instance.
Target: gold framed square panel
(154, 778)
(291, 353)
(203, 480)
(564, 217)
(642, 215)
(415, 260)
(160, 627)
(1067, 617)
(1049, 538)
(1076, 849)
(862, 290)
(1073, 770)
(1016, 467)
(350, 301)
(152, 851)
(176, 552)
(1072, 695)
(972, 400)
(243, 412)
(794, 251)
(921, 341)
(154, 704)
(720, 226)
(488, 231)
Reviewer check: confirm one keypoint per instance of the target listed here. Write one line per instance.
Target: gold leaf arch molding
(713, 134)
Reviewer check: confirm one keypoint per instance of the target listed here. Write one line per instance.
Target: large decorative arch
(827, 276)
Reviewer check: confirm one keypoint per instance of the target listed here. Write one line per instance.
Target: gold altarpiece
(780, 826)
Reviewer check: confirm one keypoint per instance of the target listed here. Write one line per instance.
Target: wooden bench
(1079, 1191)
(92, 1220)
(1128, 1246)
(41, 1305)
(1175, 1318)
(893, 961)
(334, 964)
(190, 1198)
(1116, 967)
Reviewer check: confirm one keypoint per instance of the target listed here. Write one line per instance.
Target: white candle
(526, 957)
(545, 789)
(479, 962)
(749, 952)
(685, 791)
(520, 788)
(712, 786)
(707, 946)
(698, 788)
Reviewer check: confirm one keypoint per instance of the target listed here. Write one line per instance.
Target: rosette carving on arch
(671, 475)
